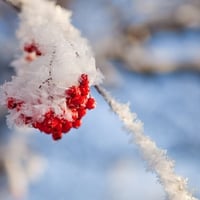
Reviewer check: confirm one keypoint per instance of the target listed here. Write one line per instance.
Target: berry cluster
(32, 50)
(78, 101)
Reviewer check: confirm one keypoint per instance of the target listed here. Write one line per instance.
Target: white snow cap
(53, 58)
(60, 43)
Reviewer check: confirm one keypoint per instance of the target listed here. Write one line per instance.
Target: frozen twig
(157, 160)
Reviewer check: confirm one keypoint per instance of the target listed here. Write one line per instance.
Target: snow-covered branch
(157, 160)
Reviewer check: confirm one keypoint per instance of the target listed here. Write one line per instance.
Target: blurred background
(149, 53)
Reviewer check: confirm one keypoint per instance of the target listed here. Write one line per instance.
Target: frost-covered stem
(156, 158)
(16, 4)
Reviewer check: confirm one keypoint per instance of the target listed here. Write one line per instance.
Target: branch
(157, 160)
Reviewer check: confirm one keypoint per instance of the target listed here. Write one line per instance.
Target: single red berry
(74, 114)
(47, 129)
(38, 52)
(73, 91)
(91, 104)
(29, 48)
(47, 125)
(57, 136)
(55, 122)
(57, 130)
(78, 101)
(70, 103)
(84, 90)
(81, 112)
(49, 114)
(11, 103)
(66, 126)
(76, 124)
(84, 79)
(37, 125)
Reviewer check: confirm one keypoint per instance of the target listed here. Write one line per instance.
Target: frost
(157, 160)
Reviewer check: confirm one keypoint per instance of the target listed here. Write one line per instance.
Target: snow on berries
(55, 69)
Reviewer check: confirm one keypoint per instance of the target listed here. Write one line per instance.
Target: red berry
(46, 126)
(90, 103)
(46, 129)
(76, 124)
(81, 112)
(73, 91)
(55, 122)
(70, 103)
(11, 104)
(78, 101)
(38, 52)
(74, 114)
(28, 48)
(75, 102)
(56, 129)
(84, 90)
(37, 125)
(66, 126)
(84, 79)
(57, 136)
(49, 114)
